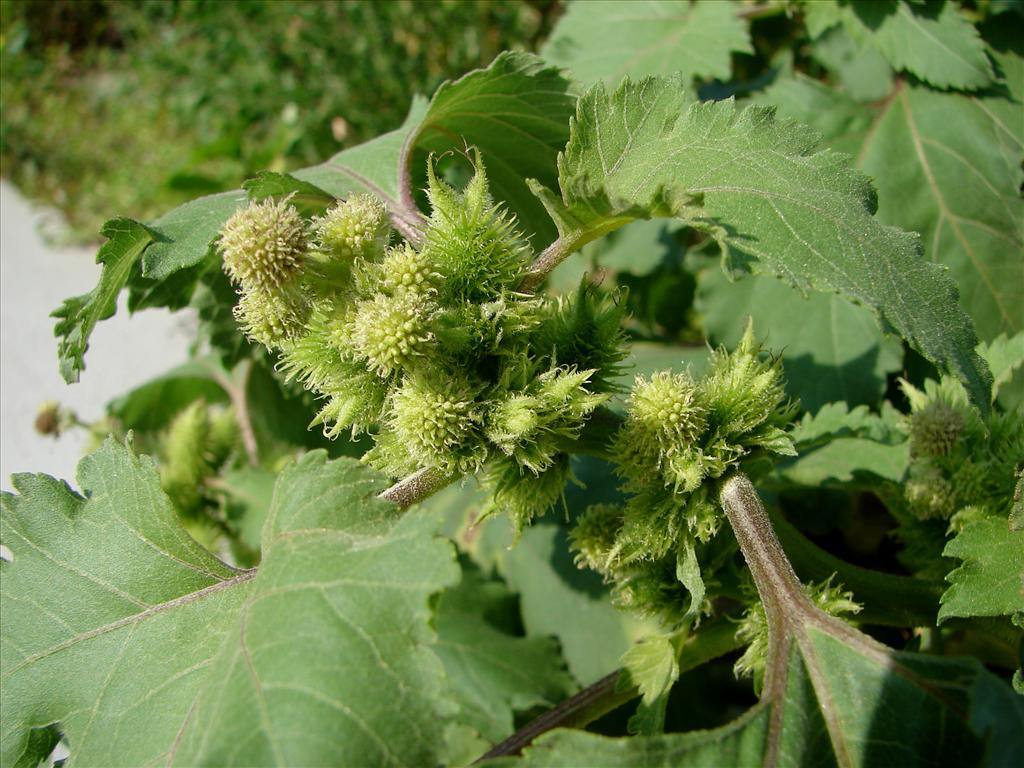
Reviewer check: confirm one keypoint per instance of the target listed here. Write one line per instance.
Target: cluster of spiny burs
(681, 436)
(963, 467)
(428, 347)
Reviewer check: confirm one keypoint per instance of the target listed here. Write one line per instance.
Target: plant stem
(416, 487)
(715, 639)
(900, 601)
(235, 387)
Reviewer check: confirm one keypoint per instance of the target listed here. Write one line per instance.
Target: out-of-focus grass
(129, 108)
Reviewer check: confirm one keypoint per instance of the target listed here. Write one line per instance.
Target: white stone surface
(124, 351)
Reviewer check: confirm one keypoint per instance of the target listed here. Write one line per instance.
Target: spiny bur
(354, 228)
(264, 245)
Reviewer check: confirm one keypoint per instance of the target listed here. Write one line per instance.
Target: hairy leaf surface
(610, 40)
(144, 648)
(492, 672)
(756, 185)
(963, 197)
(990, 581)
(934, 41)
(831, 349)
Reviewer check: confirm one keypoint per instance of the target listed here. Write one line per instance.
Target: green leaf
(1004, 357)
(516, 112)
(839, 420)
(990, 582)
(559, 599)
(831, 349)
(493, 673)
(373, 167)
(247, 493)
(861, 71)
(610, 40)
(962, 196)
(77, 316)
(308, 198)
(933, 41)
(186, 235)
(757, 186)
(652, 667)
(739, 744)
(152, 405)
(144, 648)
(856, 461)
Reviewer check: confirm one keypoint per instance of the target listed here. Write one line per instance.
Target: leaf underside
(146, 649)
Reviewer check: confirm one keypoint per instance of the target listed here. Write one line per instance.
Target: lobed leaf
(77, 316)
(990, 581)
(963, 197)
(758, 187)
(141, 647)
(934, 41)
(611, 40)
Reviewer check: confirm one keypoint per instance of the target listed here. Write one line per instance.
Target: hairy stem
(235, 387)
(888, 599)
(715, 639)
(416, 487)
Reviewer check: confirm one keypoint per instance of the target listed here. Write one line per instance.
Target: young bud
(473, 243)
(594, 536)
(742, 393)
(356, 228)
(264, 245)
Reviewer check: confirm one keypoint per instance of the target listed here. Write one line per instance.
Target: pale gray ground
(124, 351)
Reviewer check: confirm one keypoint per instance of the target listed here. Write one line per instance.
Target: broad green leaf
(247, 493)
(186, 235)
(556, 597)
(961, 195)
(492, 672)
(990, 581)
(847, 461)
(739, 744)
(861, 71)
(758, 187)
(308, 198)
(831, 349)
(559, 599)
(143, 648)
(77, 316)
(516, 112)
(836, 708)
(839, 420)
(617, 38)
(374, 167)
(152, 405)
(933, 41)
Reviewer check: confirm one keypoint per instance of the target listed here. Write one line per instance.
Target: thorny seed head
(272, 318)
(389, 332)
(264, 245)
(354, 228)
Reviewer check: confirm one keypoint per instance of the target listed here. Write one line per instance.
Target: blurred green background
(130, 107)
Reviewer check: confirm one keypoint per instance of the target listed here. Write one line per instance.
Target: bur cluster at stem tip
(429, 346)
(679, 437)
